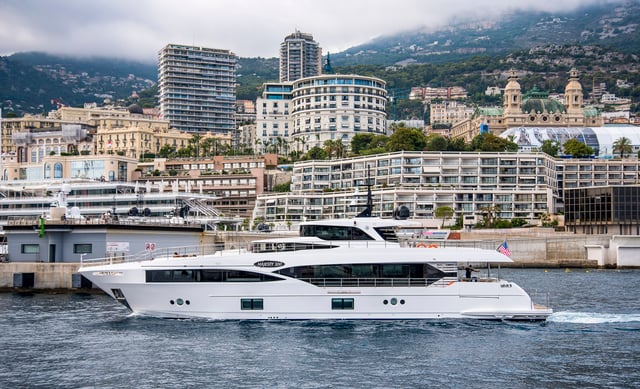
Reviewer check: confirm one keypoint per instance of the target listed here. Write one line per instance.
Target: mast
(367, 212)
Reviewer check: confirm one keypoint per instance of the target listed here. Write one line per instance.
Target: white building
(337, 107)
(273, 120)
(517, 185)
(300, 56)
(196, 87)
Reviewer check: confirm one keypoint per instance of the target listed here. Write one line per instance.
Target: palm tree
(206, 146)
(195, 140)
(622, 146)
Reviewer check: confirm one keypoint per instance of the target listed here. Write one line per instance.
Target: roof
(601, 139)
(490, 111)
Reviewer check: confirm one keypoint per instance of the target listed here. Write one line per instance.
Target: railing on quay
(101, 220)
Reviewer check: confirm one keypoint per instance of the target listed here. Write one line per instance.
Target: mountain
(605, 24)
(37, 82)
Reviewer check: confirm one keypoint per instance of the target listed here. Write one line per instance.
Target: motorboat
(336, 269)
(342, 282)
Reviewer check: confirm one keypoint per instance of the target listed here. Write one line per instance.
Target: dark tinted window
(207, 275)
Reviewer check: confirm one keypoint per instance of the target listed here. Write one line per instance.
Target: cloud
(250, 28)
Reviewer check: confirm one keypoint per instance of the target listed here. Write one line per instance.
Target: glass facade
(598, 209)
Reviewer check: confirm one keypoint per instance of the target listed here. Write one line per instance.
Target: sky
(138, 29)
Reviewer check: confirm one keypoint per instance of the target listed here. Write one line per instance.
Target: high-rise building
(197, 88)
(300, 56)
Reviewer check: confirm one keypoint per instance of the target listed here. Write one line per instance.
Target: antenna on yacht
(368, 210)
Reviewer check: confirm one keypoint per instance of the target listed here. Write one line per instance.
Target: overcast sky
(137, 29)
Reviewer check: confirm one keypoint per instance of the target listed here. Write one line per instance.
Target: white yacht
(335, 283)
(337, 269)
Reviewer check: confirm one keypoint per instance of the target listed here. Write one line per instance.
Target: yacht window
(370, 274)
(207, 275)
(251, 304)
(334, 232)
(340, 303)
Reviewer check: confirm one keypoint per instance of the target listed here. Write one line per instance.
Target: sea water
(90, 341)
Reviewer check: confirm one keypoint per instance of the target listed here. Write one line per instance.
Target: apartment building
(300, 56)
(235, 181)
(273, 118)
(337, 107)
(519, 185)
(196, 88)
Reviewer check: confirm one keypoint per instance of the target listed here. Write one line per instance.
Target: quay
(528, 249)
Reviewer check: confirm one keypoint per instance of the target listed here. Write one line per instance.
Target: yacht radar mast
(367, 212)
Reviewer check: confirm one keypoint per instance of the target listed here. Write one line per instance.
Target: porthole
(179, 301)
(402, 301)
(557, 118)
(171, 302)
(394, 301)
(532, 118)
(187, 302)
(544, 118)
(385, 302)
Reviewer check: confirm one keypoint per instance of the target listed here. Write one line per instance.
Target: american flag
(504, 249)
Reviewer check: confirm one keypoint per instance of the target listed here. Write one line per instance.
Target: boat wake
(592, 317)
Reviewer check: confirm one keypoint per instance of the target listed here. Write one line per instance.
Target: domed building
(533, 109)
(135, 109)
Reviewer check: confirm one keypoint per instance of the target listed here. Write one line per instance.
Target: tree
(492, 143)
(316, 153)
(437, 142)
(490, 216)
(206, 146)
(406, 139)
(284, 187)
(457, 144)
(185, 152)
(195, 142)
(550, 147)
(167, 151)
(361, 142)
(577, 149)
(622, 146)
(444, 213)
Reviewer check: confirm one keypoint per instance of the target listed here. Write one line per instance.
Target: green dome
(539, 101)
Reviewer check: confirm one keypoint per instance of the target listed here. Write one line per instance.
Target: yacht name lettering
(505, 285)
(269, 264)
(107, 273)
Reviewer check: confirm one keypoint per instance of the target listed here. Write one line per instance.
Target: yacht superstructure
(334, 283)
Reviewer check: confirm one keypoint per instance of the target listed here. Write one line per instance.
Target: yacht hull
(293, 299)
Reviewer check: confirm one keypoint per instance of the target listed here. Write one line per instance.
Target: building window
(47, 170)
(340, 303)
(30, 249)
(57, 170)
(251, 304)
(82, 248)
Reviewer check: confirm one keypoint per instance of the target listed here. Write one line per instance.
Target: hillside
(617, 27)
(601, 41)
